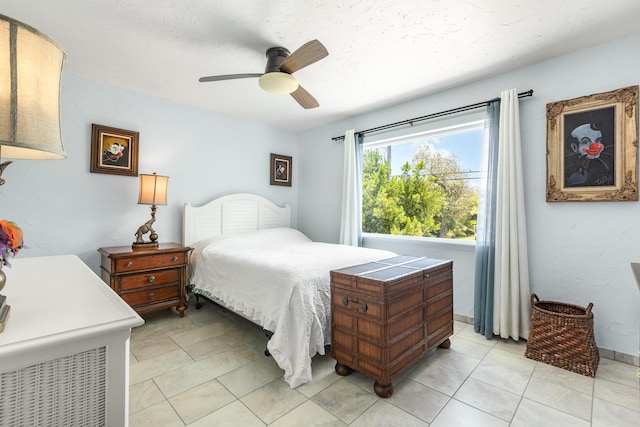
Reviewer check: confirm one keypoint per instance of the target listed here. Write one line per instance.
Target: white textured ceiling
(380, 51)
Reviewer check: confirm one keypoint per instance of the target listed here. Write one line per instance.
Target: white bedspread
(279, 279)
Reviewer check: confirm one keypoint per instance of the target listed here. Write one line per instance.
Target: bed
(247, 258)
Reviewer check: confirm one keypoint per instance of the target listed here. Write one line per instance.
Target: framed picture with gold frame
(114, 151)
(280, 170)
(592, 147)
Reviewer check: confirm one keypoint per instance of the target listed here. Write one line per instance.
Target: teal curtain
(486, 227)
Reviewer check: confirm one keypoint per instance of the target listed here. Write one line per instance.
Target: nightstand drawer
(150, 278)
(151, 296)
(125, 265)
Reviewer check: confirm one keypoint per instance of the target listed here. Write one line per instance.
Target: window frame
(444, 126)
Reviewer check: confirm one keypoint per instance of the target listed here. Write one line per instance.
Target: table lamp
(153, 191)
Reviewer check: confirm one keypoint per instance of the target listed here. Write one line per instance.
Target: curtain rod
(432, 116)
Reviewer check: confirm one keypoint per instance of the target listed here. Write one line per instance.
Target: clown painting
(280, 170)
(114, 151)
(592, 147)
(589, 148)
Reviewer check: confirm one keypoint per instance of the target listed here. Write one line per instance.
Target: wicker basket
(562, 335)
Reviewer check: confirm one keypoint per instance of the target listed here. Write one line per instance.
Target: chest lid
(384, 277)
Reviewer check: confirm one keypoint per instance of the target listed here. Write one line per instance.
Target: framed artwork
(280, 170)
(114, 151)
(592, 147)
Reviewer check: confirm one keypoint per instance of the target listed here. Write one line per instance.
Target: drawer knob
(152, 279)
(152, 295)
(364, 307)
(345, 301)
(128, 264)
(174, 259)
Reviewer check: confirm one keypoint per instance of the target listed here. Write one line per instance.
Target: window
(424, 183)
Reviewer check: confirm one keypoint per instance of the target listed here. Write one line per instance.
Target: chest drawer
(138, 263)
(151, 278)
(356, 304)
(377, 309)
(151, 296)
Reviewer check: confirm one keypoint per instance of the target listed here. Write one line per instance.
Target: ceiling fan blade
(228, 77)
(304, 98)
(306, 54)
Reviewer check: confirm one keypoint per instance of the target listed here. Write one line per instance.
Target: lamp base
(144, 246)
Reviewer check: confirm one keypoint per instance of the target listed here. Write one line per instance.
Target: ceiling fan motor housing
(274, 80)
(275, 57)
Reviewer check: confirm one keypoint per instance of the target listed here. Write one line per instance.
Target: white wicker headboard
(235, 213)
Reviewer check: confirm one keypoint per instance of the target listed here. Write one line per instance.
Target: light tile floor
(209, 369)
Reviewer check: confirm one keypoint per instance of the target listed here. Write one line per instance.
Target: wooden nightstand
(148, 280)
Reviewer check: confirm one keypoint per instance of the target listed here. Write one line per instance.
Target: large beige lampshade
(30, 70)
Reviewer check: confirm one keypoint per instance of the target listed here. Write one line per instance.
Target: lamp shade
(278, 83)
(30, 70)
(153, 189)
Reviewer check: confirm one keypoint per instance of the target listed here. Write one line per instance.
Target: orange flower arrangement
(10, 241)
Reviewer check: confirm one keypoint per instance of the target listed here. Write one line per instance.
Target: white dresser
(64, 351)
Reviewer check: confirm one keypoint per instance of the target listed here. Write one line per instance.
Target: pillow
(265, 239)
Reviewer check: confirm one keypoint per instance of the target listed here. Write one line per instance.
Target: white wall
(579, 252)
(65, 209)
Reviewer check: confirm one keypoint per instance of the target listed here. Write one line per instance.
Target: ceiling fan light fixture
(278, 83)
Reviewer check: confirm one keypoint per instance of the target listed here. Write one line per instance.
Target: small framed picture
(592, 147)
(114, 151)
(280, 170)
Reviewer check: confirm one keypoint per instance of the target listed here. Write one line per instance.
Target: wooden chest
(387, 315)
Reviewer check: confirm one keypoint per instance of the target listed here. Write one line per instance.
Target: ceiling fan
(281, 64)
